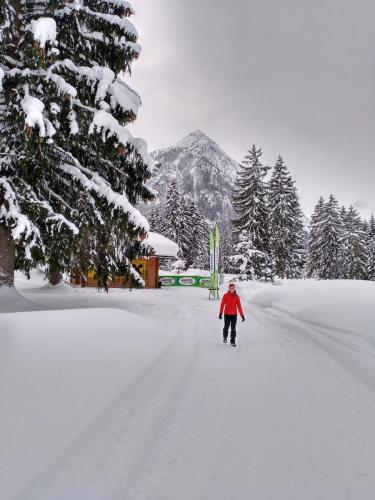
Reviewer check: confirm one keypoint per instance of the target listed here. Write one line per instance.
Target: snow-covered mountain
(204, 172)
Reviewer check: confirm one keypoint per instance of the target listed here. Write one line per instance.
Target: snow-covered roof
(163, 247)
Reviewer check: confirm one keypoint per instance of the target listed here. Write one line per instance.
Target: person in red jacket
(230, 304)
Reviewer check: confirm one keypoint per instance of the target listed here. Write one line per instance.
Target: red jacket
(231, 302)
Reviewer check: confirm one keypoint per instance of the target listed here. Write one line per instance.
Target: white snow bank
(63, 373)
(44, 30)
(197, 272)
(62, 287)
(341, 305)
(37, 279)
(12, 301)
(164, 247)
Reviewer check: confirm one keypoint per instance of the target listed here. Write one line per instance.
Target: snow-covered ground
(132, 395)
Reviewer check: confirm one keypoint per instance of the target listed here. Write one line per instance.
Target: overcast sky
(295, 77)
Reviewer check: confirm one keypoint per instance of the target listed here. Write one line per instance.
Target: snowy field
(132, 395)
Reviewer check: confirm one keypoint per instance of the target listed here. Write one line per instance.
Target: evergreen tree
(268, 267)
(155, 220)
(353, 254)
(331, 240)
(314, 255)
(174, 225)
(343, 213)
(197, 249)
(285, 222)
(366, 229)
(252, 263)
(69, 169)
(325, 240)
(227, 248)
(243, 258)
(298, 238)
(250, 200)
(251, 207)
(371, 250)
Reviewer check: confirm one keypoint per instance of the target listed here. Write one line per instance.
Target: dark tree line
(341, 244)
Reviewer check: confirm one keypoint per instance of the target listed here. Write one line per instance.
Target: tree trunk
(7, 257)
(54, 273)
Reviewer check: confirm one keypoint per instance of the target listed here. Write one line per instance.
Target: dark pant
(230, 320)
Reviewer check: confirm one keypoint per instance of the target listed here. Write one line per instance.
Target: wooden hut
(146, 266)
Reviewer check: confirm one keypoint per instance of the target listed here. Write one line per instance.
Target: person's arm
(222, 305)
(239, 307)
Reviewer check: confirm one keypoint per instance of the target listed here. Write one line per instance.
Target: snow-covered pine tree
(105, 35)
(155, 220)
(314, 255)
(250, 199)
(197, 249)
(366, 228)
(227, 249)
(202, 259)
(243, 256)
(173, 213)
(186, 229)
(13, 224)
(64, 141)
(251, 206)
(174, 225)
(353, 251)
(252, 263)
(325, 240)
(343, 213)
(267, 266)
(285, 222)
(299, 238)
(371, 249)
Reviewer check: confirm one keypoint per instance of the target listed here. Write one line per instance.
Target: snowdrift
(12, 301)
(344, 305)
(59, 371)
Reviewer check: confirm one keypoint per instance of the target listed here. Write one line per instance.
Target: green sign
(181, 280)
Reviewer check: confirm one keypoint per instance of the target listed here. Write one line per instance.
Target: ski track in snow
(284, 416)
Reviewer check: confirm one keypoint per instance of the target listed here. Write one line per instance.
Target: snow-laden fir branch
(91, 181)
(20, 224)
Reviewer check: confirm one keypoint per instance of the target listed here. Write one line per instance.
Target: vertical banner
(217, 250)
(211, 246)
(214, 261)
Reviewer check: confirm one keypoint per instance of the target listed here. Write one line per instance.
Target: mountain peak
(198, 133)
(193, 138)
(204, 172)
